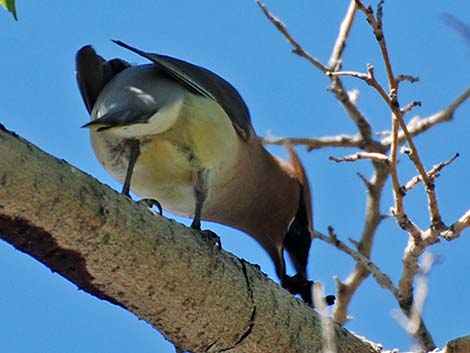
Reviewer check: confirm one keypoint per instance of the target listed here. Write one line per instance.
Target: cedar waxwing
(179, 134)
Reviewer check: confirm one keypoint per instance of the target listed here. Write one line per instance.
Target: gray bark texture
(200, 297)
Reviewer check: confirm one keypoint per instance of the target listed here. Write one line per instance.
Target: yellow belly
(202, 137)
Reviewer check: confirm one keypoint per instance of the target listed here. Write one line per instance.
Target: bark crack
(251, 322)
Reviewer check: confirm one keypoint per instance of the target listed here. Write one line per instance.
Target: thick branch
(200, 297)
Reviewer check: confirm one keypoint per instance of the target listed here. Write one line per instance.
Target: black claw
(329, 299)
(213, 238)
(150, 203)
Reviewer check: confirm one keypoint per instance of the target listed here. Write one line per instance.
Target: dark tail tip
(329, 299)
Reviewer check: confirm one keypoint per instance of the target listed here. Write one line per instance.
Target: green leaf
(10, 6)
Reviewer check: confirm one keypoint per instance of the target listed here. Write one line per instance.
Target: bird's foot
(150, 203)
(212, 237)
(298, 284)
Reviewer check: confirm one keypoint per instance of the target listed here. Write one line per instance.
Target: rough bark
(200, 297)
(458, 345)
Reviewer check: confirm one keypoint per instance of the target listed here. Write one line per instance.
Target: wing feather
(205, 83)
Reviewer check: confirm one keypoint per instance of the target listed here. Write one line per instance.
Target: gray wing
(94, 72)
(205, 83)
(120, 118)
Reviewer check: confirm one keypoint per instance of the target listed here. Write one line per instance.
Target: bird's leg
(201, 185)
(134, 151)
(202, 182)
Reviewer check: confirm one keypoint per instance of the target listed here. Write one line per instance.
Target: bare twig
(316, 143)
(378, 157)
(419, 240)
(419, 125)
(409, 78)
(355, 114)
(436, 220)
(337, 87)
(368, 78)
(409, 107)
(415, 245)
(398, 210)
(340, 44)
(453, 231)
(433, 174)
(376, 25)
(297, 49)
(382, 279)
(397, 120)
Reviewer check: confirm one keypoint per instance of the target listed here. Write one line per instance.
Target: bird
(181, 135)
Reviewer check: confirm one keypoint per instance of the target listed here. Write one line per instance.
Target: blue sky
(42, 312)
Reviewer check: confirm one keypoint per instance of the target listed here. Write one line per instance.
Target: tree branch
(167, 274)
(315, 143)
(297, 49)
(340, 43)
(417, 125)
(381, 278)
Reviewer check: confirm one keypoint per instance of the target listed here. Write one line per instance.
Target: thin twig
(355, 114)
(376, 24)
(433, 207)
(418, 126)
(433, 174)
(374, 156)
(454, 231)
(408, 78)
(409, 107)
(297, 49)
(398, 210)
(368, 78)
(415, 245)
(382, 279)
(315, 143)
(337, 87)
(340, 44)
